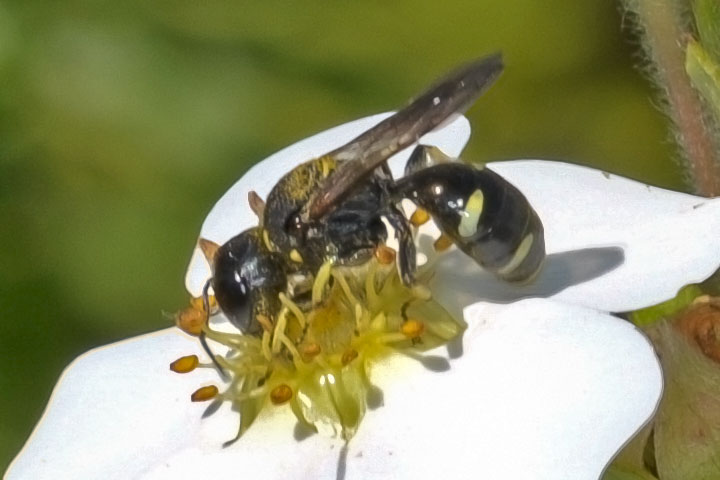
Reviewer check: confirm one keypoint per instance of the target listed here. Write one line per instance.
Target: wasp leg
(203, 337)
(406, 244)
(425, 156)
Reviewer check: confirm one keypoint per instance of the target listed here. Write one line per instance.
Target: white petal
(614, 244)
(231, 214)
(542, 391)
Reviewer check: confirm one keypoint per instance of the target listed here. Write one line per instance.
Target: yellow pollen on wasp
(203, 394)
(412, 328)
(185, 364)
(419, 217)
(281, 394)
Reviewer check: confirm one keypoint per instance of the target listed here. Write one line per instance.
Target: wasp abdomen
(486, 217)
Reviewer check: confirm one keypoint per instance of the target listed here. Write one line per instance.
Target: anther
(264, 322)
(184, 364)
(203, 394)
(412, 328)
(198, 303)
(281, 394)
(419, 217)
(348, 356)
(310, 351)
(442, 243)
(190, 320)
(385, 255)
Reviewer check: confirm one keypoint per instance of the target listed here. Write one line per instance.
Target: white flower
(548, 387)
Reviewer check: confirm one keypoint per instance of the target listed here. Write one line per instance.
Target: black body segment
(247, 279)
(486, 216)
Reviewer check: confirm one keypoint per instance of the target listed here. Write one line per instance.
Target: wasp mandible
(331, 209)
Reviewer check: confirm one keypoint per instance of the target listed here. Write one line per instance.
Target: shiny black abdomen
(501, 231)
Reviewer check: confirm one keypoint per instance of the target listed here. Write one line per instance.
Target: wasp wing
(452, 95)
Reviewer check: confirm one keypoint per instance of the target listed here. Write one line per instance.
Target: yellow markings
(471, 215)
(266, 239)
(442, 243)
(204, 394)
(281, 394)
(295, 256)
(419, 217)
(520, 254)
(412, 328)
(185, 364)
(384, 255)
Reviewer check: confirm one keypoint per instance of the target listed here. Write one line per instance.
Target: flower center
(317, 358)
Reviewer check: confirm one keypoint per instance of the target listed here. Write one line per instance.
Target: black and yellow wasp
(332, 208)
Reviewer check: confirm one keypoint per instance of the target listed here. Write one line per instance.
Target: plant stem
(665, 34)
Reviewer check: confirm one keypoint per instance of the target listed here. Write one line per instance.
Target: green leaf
(707, 20)
(704, 73)
(647, 316)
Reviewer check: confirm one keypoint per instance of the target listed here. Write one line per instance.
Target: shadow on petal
(460, 282)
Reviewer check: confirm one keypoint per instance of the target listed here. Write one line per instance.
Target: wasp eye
(295, 226)
(232, 291)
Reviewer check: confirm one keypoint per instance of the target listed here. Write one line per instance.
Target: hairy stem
(665, 37)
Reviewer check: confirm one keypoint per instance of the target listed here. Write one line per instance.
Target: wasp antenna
(209, 248)
(203, 336)
(449, 96)
(257, 204)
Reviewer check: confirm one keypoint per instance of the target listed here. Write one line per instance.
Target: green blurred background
(122, 122)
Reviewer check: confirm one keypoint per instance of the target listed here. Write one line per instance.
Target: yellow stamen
(419, 217)
(203, 394)
(412, 328)
(198, 303)
(190, 320)
(309, 351)
(184, 364)
(292, 306)
(348, 356)
(442, 243)
(281, 394)
(385, 255)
